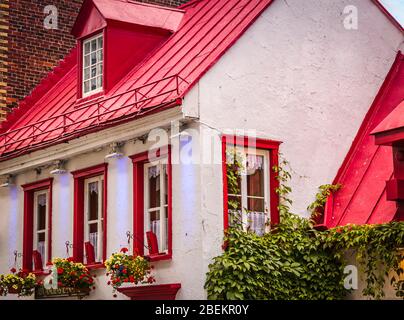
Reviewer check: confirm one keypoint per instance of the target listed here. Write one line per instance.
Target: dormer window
(93, 65)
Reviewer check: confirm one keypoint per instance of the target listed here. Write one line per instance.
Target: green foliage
(20, 283)
(377, 250)
(317, 207)
(296, 261)
(288, 263)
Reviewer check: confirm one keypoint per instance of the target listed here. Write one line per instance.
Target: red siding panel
(367, 167)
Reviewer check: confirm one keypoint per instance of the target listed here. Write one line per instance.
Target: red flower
(70, 259)
(13, 270)
(131, 279)
(124, 250)
(59, 284)
(60, 270)
(109, 282)
(124, 271)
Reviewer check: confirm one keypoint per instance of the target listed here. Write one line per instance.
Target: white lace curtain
(93, 187)
(42, 200)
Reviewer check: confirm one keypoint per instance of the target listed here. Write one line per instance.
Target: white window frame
(100, 221)
(98, 89)
(45, 231)
(243, 177)
(163, 164)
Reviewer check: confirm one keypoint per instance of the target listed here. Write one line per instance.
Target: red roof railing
(92, 114)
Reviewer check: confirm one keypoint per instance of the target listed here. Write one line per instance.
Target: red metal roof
(367, 166)
(394, 120)
(52, 113)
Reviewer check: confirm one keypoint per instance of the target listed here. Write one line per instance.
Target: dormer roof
(96, 14)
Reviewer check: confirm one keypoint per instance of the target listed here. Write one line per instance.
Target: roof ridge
(49, 81)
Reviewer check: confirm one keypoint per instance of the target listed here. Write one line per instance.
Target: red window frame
(270, 145)
(139, 161)
(28, 234)
(78, 226)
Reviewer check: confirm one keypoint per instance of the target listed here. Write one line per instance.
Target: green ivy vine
(317, 207)
(296, 261)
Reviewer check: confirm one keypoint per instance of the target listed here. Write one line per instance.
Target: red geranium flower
(124, 250)
(60, 270)
(13, 270)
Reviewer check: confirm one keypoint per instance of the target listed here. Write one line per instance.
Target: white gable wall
(298, 76)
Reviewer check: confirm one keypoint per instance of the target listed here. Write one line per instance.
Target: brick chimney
(29, 50)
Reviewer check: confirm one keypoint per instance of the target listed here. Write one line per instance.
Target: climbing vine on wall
(296, 261)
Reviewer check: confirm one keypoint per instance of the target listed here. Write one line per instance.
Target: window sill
(41, 272)
(91, 98)
(159, 257)
(95, 266)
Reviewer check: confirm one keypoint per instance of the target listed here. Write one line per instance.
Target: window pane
(93, 192)
(99, 82)
(155, 223)
(93, 84)
(41, 237)
(99, 69)
(99, 55)
(154, 186)
(86, 73)
(41, 212)
(93, 72)
(93, 58)
(87, 48)
(255, 176)
(256, 222)
(256, 205)
(99, 43)
(86, 86)
(87, 61)
(93, 228)
(94, 45)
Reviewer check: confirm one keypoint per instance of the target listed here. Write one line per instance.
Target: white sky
(396, 9)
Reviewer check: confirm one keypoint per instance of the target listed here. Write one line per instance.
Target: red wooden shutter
(37, 258)
(152, 243)
(90, 253)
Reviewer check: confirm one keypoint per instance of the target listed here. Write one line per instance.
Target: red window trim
(139, 160)
(78, 225)
(264, 144)
(28, 234)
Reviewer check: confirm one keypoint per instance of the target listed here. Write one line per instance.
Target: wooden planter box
(152, 292)
(11, 290)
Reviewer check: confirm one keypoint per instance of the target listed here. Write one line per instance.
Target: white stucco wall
(298, 76)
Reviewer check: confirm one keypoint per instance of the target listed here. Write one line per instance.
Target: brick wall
(28, 51)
